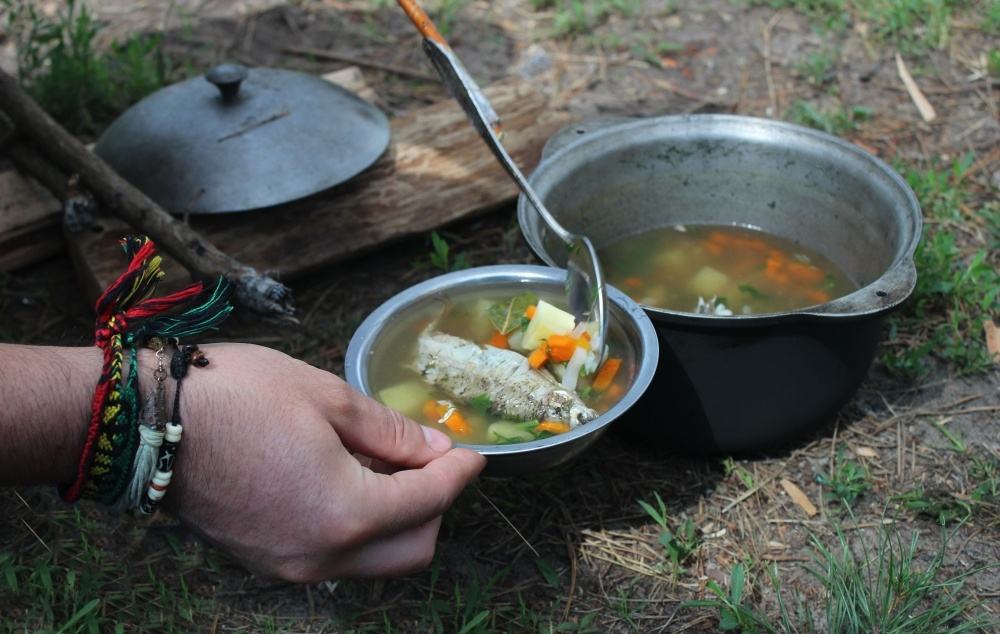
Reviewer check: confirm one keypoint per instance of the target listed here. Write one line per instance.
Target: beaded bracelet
(129, 315)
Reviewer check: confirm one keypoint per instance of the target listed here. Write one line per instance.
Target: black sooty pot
(741, 383)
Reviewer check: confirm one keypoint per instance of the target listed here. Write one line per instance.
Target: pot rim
(622, 306)
(878, 297)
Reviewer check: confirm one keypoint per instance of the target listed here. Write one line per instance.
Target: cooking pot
(740, 383)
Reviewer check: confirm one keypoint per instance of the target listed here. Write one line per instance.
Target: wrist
(47, 394)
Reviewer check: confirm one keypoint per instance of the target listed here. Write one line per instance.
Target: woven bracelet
(129, 315)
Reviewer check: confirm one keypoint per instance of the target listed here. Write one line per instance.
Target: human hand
(265, 470)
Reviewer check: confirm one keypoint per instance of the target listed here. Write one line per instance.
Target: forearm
(45, 402)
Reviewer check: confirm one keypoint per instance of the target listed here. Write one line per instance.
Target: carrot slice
(431, 412)
(435, 412)
(561, 347)
(552, 426)
(711, 247)
(538, 358)
(499, 340)
(720, 238)
(816, 296)
(607, 373)
(529, 312)
(804, 272)
(457, 423)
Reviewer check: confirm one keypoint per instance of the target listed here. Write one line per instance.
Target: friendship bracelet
(129, 315)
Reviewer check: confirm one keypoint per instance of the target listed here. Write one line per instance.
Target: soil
(573, 545)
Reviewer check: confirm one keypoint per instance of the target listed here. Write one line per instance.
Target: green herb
(753, 292)
(506, 316)
(481, 404)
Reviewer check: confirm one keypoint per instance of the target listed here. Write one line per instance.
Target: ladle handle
(484, 119)
(422, 21)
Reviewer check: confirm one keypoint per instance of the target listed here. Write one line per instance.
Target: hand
(265, 470)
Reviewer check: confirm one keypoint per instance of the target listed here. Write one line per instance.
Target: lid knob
(227, 78)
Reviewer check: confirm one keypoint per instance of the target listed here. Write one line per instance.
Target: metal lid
(258, 137)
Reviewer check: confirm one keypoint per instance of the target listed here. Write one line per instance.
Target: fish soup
(497, 366)
(721, 270)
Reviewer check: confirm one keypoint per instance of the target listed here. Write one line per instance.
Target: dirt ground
(582, 521)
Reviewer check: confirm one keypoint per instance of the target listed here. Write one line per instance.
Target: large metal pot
(744, 382)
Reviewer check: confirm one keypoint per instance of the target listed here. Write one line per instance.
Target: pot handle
(881, 296)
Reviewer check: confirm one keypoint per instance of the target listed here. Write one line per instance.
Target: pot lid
(257, 137)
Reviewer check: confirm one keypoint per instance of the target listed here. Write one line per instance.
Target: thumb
(382, 433)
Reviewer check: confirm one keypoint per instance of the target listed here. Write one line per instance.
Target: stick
(357, 61)
(258, 292)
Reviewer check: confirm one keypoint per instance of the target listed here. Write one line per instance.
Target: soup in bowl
(491, 357)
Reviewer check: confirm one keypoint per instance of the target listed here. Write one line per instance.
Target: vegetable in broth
(494, 368)
(717, 269)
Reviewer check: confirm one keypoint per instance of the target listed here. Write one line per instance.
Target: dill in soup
(497, 367)
(721, 270)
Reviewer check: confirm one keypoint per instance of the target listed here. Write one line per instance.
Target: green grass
(577, 17)
(848, 482)
(883, 587)
(66, 582)
(60, 66)
(679, 542)
(911, 26)
(441, 256)
(958, 281)
(838, 121)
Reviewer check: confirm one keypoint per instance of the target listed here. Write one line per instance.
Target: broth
(728, 267)
(395, 380)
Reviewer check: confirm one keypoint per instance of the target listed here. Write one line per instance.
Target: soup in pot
(721, 270)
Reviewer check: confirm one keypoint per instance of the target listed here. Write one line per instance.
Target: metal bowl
(743, 382)
(627, 322)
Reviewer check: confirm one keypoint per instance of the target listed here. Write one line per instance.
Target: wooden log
(259, 292)
(436, 171)
(29, 222)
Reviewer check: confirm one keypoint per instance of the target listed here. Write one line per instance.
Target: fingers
(391, 527)
(404, 553)
(366, 426)
(412, 497)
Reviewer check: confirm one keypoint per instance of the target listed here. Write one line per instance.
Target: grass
(838, 121)
(910, 26)
(66, 581)
(441, 256)
(886, 587)
(958, 286)
(679, 543)
(848, 482)
(578, 17)
(61, 66)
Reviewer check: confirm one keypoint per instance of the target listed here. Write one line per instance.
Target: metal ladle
(585, 291)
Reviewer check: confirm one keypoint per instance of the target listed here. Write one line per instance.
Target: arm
(265, 469)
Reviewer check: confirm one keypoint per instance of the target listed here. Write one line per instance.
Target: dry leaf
(798, 497)
(924, 106)
(992, 339)
(866, 452)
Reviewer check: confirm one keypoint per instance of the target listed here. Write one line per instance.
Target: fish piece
(465, 370)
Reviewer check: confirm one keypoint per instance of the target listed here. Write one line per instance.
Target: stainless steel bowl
(743, 382)
(627, 322)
